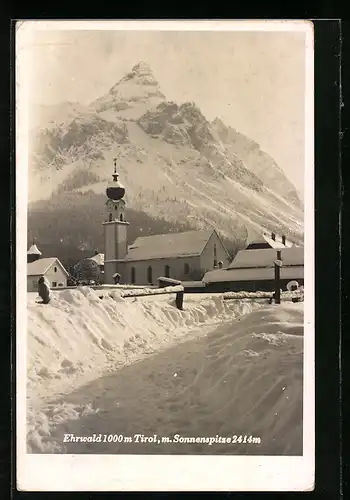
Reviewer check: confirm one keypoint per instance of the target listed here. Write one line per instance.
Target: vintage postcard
(165, 256)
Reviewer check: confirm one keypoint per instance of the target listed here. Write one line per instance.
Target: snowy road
(242, 378)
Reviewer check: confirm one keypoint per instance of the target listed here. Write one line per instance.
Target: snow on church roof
(158, 246)
(34, 250)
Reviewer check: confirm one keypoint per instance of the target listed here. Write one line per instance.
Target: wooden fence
(178, 290)
(295, 296)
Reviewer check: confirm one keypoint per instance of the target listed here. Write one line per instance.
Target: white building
(49, 267)
(253, 270)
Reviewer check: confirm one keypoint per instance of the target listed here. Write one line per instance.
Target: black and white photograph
(165, 222)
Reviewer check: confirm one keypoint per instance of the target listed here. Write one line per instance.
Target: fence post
(278, 265)
(179, 300)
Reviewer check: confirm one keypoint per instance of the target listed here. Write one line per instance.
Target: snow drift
(78, 335)
(229, 369)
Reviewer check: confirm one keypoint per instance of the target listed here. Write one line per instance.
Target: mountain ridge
(176, 165)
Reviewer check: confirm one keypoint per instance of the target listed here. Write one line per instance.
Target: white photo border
(158, 472)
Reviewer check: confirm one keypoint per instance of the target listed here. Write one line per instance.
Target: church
(183, 256)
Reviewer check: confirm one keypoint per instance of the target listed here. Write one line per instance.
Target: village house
(49, 267)
(269, 240)
(252, 269)
(90, 268)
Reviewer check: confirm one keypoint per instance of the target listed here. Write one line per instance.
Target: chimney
(283, 240)
(273, 236)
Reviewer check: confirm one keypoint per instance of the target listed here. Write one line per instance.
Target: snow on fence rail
(177, 289)
(297, 294)
(99, 287)
(136, 291)
(152, 291)
(117, 287)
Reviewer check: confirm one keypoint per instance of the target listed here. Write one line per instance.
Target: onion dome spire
(115, 190)
(115, 174)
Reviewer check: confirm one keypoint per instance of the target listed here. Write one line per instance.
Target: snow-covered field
(126, 366)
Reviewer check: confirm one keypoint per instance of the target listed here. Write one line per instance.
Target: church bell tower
(115, 229)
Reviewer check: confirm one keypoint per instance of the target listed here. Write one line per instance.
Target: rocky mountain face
(176, 165)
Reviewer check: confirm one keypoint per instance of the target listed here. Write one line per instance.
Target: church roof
(34, 250)
(41, 266)
(189, 243)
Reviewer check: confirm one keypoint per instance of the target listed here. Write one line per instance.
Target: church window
(149, 275)
(186, 268)
(55, 269)
(133, 275)
(167, 271)
(54, 283)
(121, 217)
(215, 257)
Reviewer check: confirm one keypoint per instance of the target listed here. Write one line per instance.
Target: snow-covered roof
(268, 242)
(41, 266)
(190, 243)
(34, 250)
(98, 258)
(258, 265)
(265, 257)
(253, 274)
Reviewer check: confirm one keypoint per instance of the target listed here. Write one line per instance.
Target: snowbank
(242, 379)
(79, 336)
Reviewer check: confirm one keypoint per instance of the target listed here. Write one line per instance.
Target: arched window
(55, 269)
(186, 268)
(215, 257)
(133, 275)
(121, 217)
(149, 275)
(167, 271)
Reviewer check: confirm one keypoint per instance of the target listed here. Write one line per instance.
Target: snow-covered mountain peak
(141, 74)
(223, 179)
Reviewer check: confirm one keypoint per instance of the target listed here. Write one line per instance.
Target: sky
(253, 81)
